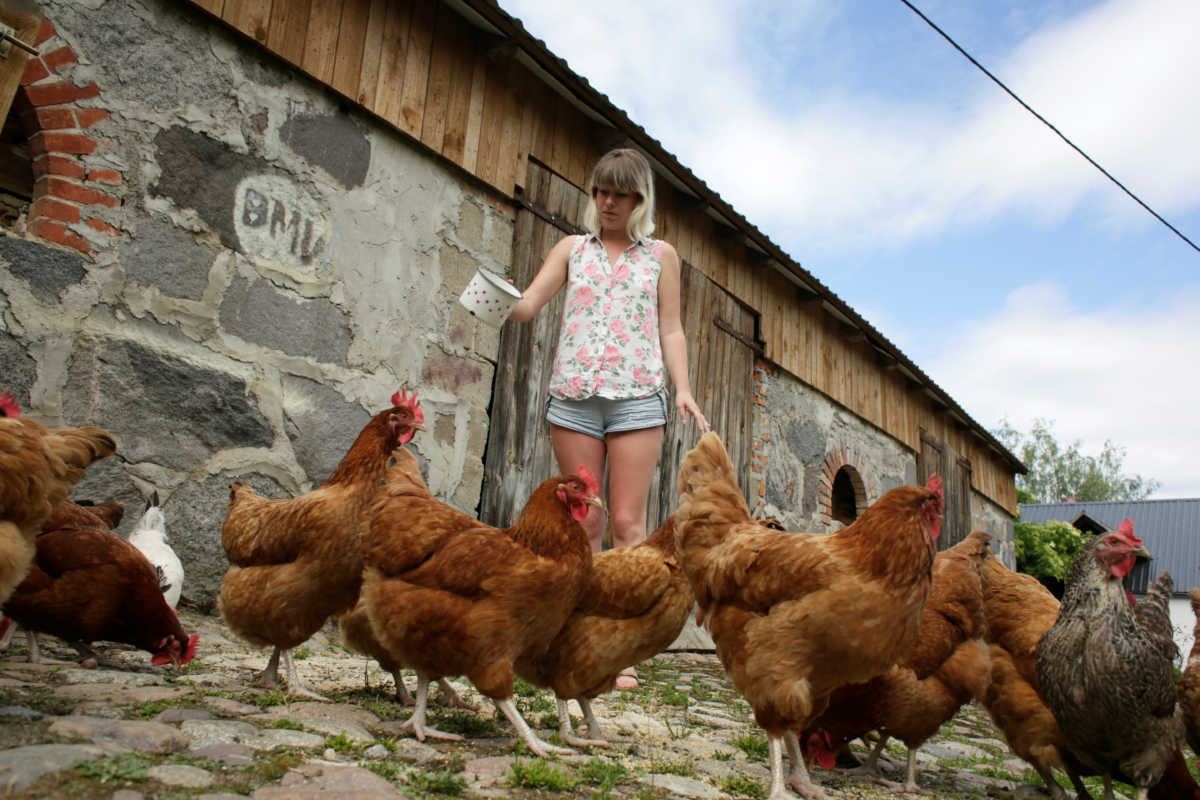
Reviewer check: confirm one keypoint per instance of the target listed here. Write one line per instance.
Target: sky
(1010, 270)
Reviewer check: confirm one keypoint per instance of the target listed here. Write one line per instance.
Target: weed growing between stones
(124, 768)
(680, 768)
(755, 747)
(464, 723)
(603, 773)
(442, 782)
(740, 786)
(540, 774)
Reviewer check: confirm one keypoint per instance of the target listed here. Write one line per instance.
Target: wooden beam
(852, 333)
(886, 361)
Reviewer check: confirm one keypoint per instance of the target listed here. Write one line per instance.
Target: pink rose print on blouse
(648, 328)
(618, 329)
(607, 309)
(573, 329)
(592, 270)
(648, 288)
(611, 357)
(585, 358)
(583, 297)
(575, 386)
(658, 251)
(641, 376)
(621, 273)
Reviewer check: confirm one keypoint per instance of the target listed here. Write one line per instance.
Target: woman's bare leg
(632, 460)
(573, 450)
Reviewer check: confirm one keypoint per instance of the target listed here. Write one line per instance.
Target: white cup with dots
(489, 297)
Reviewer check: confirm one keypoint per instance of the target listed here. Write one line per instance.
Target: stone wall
(801, 438)
(272, 267)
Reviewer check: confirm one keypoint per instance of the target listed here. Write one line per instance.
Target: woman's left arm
(672, 338)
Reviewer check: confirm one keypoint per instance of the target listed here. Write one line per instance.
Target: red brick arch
(862, 478)
(67, 193)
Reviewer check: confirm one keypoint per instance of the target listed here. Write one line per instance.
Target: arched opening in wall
(16, 162)
(846, 495)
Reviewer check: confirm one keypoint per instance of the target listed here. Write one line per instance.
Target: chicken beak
(595, 501)
(1140, 552)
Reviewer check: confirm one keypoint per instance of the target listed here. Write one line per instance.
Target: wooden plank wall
(422, 68)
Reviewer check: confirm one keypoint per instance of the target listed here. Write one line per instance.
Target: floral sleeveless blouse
(609, 345)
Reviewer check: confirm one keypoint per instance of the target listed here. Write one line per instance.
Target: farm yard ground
(127, 730)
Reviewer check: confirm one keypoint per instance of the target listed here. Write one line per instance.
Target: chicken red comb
(8, 405)
(1125, 531)
(403, 398)
(589, 480)
(190, 653)
(935, 485)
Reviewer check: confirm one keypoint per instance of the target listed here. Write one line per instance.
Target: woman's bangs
(617, 174)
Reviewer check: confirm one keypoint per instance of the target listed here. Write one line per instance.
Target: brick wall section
(67, 194)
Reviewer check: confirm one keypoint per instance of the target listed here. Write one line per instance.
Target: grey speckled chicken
(1106, 667)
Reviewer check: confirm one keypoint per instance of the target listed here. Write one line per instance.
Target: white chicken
(150, 537)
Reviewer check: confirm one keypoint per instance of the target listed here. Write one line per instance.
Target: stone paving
(127, 730)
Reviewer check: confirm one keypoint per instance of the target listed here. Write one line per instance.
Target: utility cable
(1047, 123)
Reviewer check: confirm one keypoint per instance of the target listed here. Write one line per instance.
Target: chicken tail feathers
(81, 447)
(708, 483)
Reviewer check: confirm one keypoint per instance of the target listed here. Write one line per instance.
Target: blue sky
(1009, 269)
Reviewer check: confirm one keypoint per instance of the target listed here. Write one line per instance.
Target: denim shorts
(599, 416)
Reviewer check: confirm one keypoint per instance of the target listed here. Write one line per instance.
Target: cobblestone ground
(127, 730)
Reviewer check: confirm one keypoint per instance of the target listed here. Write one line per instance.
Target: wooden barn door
(956, 484)
(721, 335)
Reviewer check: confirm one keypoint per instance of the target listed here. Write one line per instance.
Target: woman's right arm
(546, 283)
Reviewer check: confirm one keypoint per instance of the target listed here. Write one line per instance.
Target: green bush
(1046, 550)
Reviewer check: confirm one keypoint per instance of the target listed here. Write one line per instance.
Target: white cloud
(1116, 373)
(1117, 79)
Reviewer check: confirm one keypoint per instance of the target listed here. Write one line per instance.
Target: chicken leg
(798, 779)
(267, 678)
(295, 688)
(417, 720)
(535, 745)
(568, 735)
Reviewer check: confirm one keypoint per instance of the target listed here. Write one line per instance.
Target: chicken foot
(267, 678)
(568, 735)
(535, 745)
(798, 779)
(295, 687)
(448, 697)
(35, 653)
(417, 720)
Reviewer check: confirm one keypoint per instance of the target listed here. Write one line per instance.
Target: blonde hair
(625, 170)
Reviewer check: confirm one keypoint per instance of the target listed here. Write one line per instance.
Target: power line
(1047, 123)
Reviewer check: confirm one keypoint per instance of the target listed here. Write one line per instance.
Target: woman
(621, 328)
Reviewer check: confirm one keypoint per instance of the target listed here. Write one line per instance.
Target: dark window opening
(16, 167)
(844, 500)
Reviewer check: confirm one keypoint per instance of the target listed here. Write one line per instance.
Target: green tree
(1058, 470)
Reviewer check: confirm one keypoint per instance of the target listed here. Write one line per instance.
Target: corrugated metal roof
(1170, 530)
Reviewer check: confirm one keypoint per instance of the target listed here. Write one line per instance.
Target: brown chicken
(1106, 667)
(296, 562)
(953, 617)
(87, 584)
(39, 467)
(1189, 681)
(447, 595)
(917, 708)
(794, 616)
(358, 636)
(634, 607)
